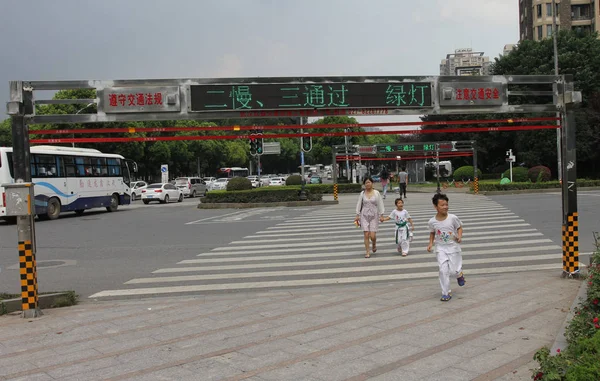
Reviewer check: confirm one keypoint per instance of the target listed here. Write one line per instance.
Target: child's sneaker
(445, 298)
(461, 280)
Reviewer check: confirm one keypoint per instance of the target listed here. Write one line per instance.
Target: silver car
(191, 186)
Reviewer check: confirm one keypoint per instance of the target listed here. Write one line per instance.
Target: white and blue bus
(71, 179)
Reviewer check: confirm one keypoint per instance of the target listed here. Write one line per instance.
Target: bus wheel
(114, 204)
(53, 209)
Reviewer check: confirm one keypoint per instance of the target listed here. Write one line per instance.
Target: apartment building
(535, 17)
(465, 62)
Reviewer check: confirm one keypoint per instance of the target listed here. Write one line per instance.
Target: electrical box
(19, 199)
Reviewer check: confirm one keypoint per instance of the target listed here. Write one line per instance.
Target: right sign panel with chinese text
(472, 94)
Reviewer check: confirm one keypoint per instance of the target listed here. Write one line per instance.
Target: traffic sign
(164, 173)
(272, 148)
(367, 150)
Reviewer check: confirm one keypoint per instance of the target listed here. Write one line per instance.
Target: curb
(44, 301)
(239, 205)
(561, 342)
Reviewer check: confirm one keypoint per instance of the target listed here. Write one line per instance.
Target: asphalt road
(544, 212)
(159, 247)
(100, 250)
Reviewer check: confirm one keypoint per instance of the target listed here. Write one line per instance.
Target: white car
(265, 180)
(136, 189)
(162, 192)
(219, 184)
(277, 181)
(254, 180)
(208, 181)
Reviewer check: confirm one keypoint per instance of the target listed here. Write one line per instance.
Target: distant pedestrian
(402, 218)
(445, 230)
(369, 211)
(403, 180)
(385, 179)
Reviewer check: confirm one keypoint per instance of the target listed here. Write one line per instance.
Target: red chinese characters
(476, 93)
(134, 100)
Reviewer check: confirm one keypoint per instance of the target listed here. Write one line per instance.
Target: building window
(549, 30)
(539, 33)
(538, 9)
(548, 9)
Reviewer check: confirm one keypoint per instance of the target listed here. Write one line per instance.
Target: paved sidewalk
(397, 331)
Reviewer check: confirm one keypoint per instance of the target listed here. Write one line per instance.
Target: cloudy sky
(117, 39)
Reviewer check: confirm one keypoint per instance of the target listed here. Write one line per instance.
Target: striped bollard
(476, 185)
(335, 191)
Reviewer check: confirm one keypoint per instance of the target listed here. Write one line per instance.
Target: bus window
(99, 168)
(114, 167)
(68, 164)
(46, 166)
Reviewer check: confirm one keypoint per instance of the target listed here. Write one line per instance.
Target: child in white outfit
(446, 232)
(402, 219)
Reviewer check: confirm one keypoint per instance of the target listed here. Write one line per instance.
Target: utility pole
(302, 196)
(348, 173)
(555, 43)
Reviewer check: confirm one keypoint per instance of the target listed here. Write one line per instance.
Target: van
(191, 186)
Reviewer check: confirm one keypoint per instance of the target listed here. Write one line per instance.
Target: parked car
(136, 189)
(277, 181)
(191, 186)
(265, 180)
(162, 192)
(254, 180)
(208, 181)
(314, 179)
(219, 184)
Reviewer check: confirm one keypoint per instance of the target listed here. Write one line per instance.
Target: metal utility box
(20, 199)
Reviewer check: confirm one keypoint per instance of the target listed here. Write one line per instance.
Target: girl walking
(402, 220)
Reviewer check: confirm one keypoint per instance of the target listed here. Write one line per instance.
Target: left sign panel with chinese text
(141, 99)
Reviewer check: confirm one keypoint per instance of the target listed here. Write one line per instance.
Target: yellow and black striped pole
(476, 185)
(570, 240)
(570, 220)
(335, 191)
(29, 285)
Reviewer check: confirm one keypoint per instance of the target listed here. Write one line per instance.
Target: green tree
(5, 133)
(578, 55)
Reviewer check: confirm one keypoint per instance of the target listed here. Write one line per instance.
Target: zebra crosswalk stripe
(323, 248)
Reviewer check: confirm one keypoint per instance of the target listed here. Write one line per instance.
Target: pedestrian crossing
(323, 247)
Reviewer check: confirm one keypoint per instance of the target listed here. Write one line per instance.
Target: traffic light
(306, 142)
(259, 144)
(254, 144)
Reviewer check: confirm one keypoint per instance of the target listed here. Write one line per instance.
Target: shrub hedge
(239, 183)
(263, 194)
(539, 173)
(483, 187)
(519, 174)
(294, 180)
(465, 172)
(342, 188)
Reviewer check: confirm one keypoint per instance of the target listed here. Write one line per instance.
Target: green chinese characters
(315, 96)
(405, 95)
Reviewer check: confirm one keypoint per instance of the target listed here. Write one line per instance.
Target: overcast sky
(117, 39)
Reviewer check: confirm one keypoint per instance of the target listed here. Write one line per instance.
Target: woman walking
(369, 210)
